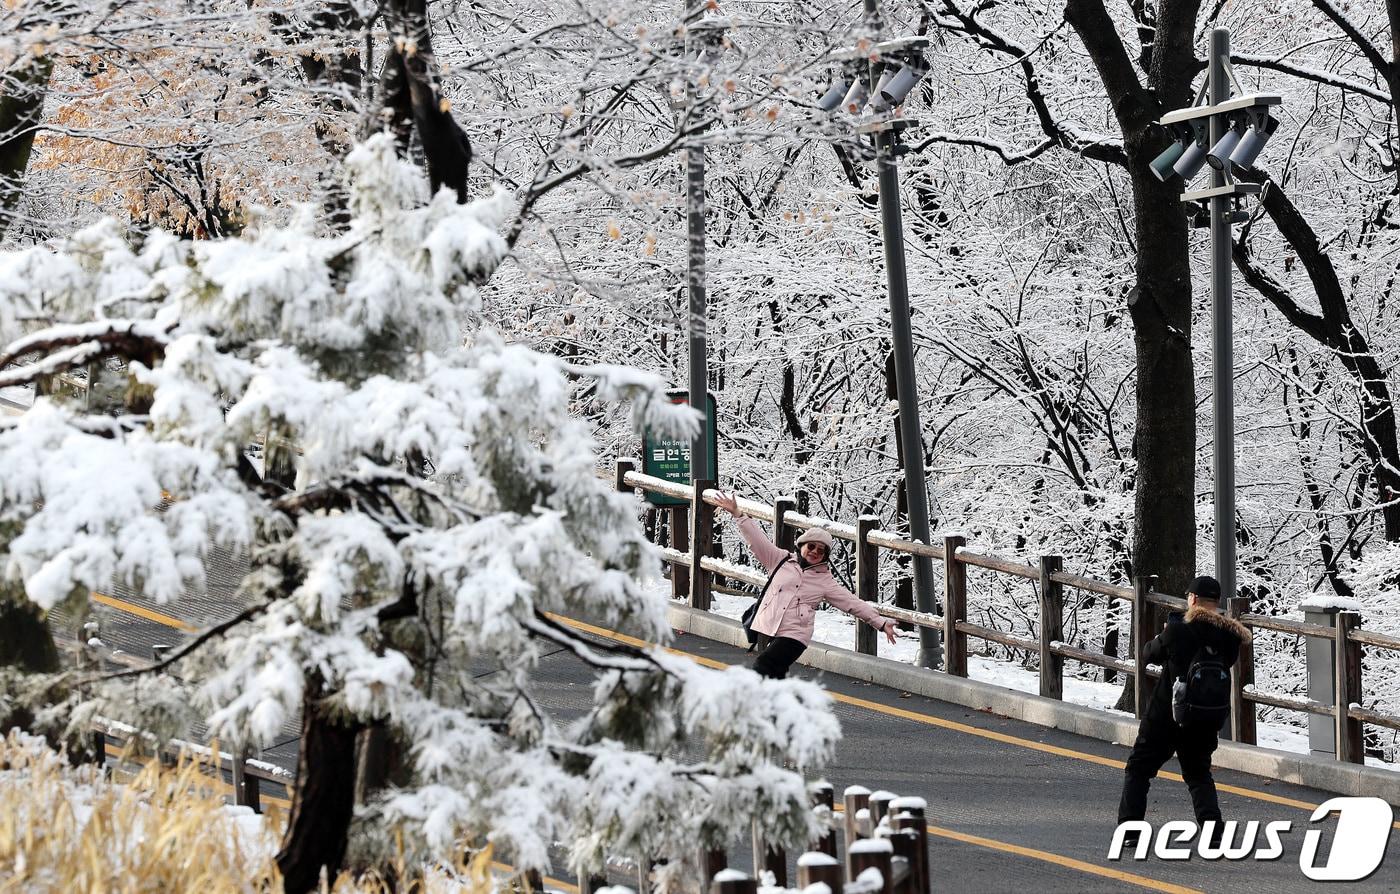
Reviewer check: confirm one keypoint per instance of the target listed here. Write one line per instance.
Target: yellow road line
(1131, 878)
(141, 611)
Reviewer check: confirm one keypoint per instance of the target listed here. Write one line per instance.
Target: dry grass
(70, 830)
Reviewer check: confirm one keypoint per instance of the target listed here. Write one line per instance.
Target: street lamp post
(906, 385)
(702, 42)
(1227, 132)
(1222, 329)
(876, 95)
(695, 282)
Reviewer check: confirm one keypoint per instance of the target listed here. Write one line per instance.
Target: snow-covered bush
(447, 513)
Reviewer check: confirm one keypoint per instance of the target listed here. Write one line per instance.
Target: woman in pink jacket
(785, 620)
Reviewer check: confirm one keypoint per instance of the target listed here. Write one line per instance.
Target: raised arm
(766, 551)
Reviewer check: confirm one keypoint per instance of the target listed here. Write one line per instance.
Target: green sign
(669, 458)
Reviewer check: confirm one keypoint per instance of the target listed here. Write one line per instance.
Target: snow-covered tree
(447, 513)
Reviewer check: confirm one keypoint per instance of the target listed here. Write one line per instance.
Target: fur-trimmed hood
(1216, 619)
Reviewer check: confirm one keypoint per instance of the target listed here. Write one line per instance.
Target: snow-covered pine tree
(447, 513)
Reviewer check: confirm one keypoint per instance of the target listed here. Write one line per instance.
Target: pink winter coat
(790, 607)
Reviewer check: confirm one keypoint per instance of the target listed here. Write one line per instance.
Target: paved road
(1013, 806)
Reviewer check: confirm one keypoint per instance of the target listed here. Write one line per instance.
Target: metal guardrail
(868, 539)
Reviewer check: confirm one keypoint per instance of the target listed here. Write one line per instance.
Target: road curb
(1285, 766)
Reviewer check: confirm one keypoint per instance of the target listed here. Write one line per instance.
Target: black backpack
(1202, 697)
(752, 611)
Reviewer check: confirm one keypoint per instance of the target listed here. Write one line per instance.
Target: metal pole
(695, 278)
(695, 270)
(911, 442)
(1222, 359)
(910, 429)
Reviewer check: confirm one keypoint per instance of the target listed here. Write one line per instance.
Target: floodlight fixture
(910, 73)
(1193, 156)
(877, 100)
(1261, 126)
(1162, 164)
(833, 95)
(855, 97)
(1219, 154)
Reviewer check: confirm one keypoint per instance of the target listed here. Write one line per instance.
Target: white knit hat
(815, 535)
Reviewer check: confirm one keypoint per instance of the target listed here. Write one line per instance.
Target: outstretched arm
(766, 551)
(847, 601)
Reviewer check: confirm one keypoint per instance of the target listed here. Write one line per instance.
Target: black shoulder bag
(752, 611)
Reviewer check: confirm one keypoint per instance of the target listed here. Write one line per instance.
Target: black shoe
(1130, 844)
(1217, 833)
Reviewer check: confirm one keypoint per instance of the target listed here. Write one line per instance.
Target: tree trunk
(25, 641)
(324, 801)
(21, 109)
(1164, 515)
(411, 94)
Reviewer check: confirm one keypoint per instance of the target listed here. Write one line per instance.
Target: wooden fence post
(1350, 742)
(854, 799)
(818, 866)
(680, 541)
(768, 858)
(620, 475)
(732, 881)
(867, 580)
(906, 861)
(1142, 634)
(712, 862)
(99, 749)
(954, 606)
(1052, 628)
(784, 535)
(870, 853)
(880, 806)
(1243, 727)
(702, 525)
(911, 814)
(823, 795)
(246, 790)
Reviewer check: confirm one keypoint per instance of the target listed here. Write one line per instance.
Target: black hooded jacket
(1176, 646)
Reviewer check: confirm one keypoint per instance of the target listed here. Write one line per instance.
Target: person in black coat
(1159, 736)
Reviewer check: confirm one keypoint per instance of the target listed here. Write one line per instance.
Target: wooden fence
(246, 776)
(1048, 576)
(881, 831)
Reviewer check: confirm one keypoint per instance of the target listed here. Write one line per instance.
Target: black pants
(1156, 742)
(777, 655)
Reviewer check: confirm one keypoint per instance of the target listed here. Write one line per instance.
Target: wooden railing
(1050, 580)
(242, 773)
(881, 831)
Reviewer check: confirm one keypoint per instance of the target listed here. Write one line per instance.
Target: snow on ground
(834, 628)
